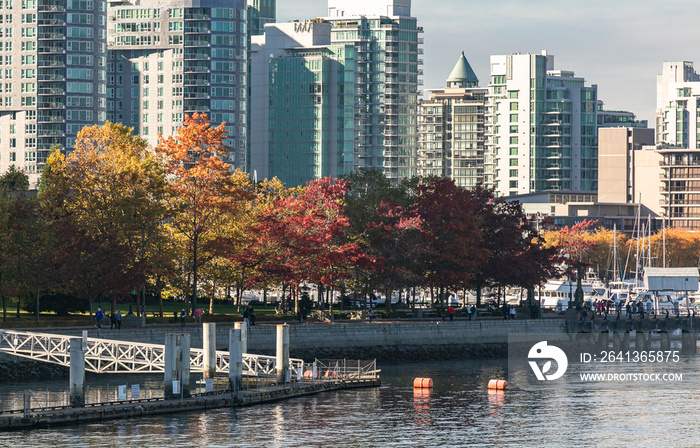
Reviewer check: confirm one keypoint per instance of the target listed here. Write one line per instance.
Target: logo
(542, 351)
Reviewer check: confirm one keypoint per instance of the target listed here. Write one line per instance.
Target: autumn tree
(302, 235)
(383, 224)
(515, 254)
(450, 233)
(111, 192)
(203, 187)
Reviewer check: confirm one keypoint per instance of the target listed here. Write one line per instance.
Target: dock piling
(77, 373)
(244, 335)
(177, 365)
(209, 346)
(235, 356)
(282, 361)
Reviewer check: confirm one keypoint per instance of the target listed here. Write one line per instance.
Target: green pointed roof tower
(462, 75)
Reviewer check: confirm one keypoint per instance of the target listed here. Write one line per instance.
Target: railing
(110, 356)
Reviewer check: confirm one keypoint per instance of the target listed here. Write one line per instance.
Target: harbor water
(458, 411)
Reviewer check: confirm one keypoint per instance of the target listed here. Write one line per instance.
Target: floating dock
(140, 408)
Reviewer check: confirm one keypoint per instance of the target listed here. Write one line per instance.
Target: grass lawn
(222, 313)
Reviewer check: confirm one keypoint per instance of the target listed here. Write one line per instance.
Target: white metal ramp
(112, 356)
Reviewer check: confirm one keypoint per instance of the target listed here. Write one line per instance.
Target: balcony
(51, 36)
(197, 30)
(57, 7)
(51, 22)
(52, 49)
(51, 91)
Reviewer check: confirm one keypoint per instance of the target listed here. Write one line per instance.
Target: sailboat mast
(664, 243)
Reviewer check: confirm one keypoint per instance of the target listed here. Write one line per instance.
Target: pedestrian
(472, 312)
(118, 317)
(451, 310)
(112, 321)
(251, 316)
(197, 316)
(246, 315)
(628, 309)
(506, 312)
(99, 315)
(371, 315)
(183, 315)
(512, 312)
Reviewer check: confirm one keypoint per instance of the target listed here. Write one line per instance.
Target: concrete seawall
(261, 338)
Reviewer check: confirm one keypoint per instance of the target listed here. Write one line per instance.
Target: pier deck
(141, 408)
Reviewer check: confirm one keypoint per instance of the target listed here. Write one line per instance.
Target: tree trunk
(478, 294)
(194, 273)
(160, 301)
(211, 299)
(141, 300)
(38, 292)
(387, 294)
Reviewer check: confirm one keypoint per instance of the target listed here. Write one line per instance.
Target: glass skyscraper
(167, 61)
(388, 43)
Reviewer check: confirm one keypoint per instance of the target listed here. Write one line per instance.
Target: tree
(13, 186)
(13, 180)
(514, 251)
(302, 235)
(450, 233)
(386, 228)
(203, 187)
(38, 255)
(109, 194)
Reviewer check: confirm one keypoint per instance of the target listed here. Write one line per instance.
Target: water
(458, 412)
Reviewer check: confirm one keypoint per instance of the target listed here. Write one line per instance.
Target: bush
(61, 304)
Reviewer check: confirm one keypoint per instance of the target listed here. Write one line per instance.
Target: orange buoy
(497, 384)
(422, 383)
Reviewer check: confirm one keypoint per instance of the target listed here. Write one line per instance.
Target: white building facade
(540, 127)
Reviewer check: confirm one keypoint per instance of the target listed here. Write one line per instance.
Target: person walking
(371, 315)
(183, 315)
(472, 312)
(512, 312)
(451, 311)
(118, 318)
(99, 315)
(197, 316)
(246, 315)
(112, 321)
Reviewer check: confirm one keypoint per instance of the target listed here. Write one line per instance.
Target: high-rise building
(303, 107)
(260, 12)
(169, 60)
(53, 79)
(540, 126)
(388, 67)
(677, 105)
(451, 129)
(619, 153)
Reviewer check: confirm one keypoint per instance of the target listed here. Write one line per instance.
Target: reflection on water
(458, 411)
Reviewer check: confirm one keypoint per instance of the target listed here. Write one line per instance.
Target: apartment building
(451, 129)
(541, 127)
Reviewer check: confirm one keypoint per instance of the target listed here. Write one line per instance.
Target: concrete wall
(261, 338)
